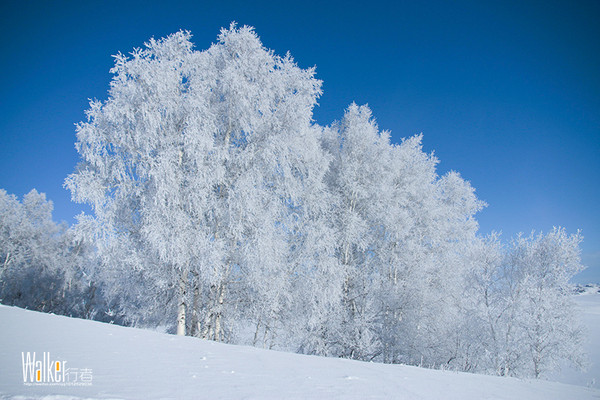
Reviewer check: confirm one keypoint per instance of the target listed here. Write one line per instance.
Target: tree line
(222, 210)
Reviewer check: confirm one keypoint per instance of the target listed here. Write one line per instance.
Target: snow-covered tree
(30, 252)
(221, 210)
(40, 268)
(198, 161)
(542, 266)
(521, 306)
(357, 181)
(400, 230)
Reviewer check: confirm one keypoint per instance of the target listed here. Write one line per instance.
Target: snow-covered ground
(128, 363)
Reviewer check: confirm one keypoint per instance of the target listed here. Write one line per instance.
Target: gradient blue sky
(505, 92)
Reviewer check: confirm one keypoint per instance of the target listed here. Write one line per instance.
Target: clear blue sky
(507, 92)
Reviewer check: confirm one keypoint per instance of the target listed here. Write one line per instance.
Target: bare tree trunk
(181, 309)
(218, 316)
(213, 322)
(256, 333)
(195, 326)
(4, 267)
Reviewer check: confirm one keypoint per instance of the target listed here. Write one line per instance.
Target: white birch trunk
(181, 309)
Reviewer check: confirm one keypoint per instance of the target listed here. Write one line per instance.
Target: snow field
(129, 363)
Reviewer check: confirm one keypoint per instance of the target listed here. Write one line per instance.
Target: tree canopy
(222, 210)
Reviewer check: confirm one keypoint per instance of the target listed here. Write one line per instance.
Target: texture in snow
(130, 363)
